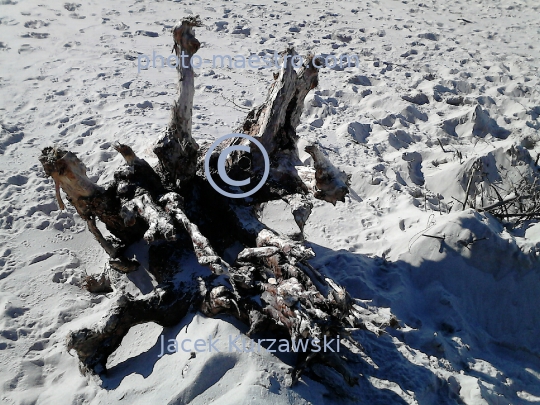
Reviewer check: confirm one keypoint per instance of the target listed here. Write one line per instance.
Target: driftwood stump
(271, 286)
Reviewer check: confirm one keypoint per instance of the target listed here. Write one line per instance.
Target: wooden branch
(105, 244)
(177, 150)
(518, 215)
(434, 236)
(499, 204)
(442, 147)
(472, 174)
(69, 174)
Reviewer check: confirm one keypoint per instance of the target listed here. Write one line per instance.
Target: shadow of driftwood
(396, 365)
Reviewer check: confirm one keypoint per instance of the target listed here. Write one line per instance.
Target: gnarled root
(271, 287)
(165, 306)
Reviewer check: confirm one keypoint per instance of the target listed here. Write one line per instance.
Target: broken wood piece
(300, 208)
(332, 185)
(177, 150)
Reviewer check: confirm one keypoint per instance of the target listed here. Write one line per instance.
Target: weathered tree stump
(271, 286)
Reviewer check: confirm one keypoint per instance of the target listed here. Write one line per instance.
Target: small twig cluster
(522, 201)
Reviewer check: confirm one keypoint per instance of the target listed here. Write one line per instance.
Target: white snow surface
(467, 296)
